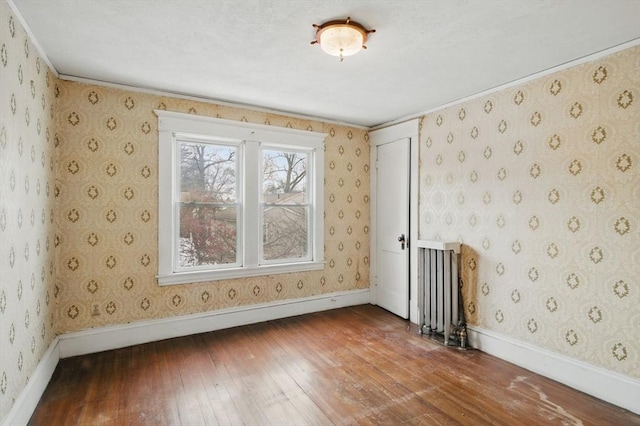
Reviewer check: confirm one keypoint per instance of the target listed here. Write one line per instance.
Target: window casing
(237, 199)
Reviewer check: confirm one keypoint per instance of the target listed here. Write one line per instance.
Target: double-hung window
(237, 199)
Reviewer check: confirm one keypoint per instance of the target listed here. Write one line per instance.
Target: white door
(392, 227)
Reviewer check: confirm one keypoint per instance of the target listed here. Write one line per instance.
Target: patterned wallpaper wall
(540, 183)
(107, 212)
(27, 266)
(78, 211)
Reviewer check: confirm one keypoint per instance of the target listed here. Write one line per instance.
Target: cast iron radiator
(439, 299)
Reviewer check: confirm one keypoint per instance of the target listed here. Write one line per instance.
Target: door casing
(392, 218)
(408, 129)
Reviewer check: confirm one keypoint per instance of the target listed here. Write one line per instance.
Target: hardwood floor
(359, 365)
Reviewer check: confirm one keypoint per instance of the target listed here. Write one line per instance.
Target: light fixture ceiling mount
(341, 37)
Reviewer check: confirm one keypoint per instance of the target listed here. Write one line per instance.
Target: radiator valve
(462, 335)
(459, 334)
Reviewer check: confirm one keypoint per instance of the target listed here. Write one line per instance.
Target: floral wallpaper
(78, 211)
(107, 212)
(27, 218)
(540, 183)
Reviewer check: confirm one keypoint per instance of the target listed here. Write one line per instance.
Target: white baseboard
(114, 337)
(615, 388)
(120, 336)
(28, 399)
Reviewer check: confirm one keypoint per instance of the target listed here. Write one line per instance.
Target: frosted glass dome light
(341, 38)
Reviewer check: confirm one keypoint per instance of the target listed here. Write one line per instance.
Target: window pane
(284, 178)
(207, 235)
(207, 173)
(285, 232)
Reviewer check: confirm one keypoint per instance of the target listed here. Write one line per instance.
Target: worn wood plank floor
(359, 365)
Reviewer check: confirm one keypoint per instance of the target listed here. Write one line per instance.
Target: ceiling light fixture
(341, 38)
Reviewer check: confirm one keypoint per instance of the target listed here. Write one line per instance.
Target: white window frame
(171, 127)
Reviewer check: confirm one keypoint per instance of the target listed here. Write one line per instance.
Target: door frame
(408, 129)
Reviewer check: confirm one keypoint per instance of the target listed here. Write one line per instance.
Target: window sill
(225, 274)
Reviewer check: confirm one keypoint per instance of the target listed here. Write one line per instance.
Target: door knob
(402, 240)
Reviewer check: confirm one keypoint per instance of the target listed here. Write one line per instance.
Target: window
(237, 199)
(285, 206)
(207, 216)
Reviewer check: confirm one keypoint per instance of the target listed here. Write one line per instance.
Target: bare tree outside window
(285, 209)
(208, 212)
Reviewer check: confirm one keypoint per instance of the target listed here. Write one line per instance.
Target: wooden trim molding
(28, 399)
(583, 60)
(120, 336)
(409, 129)
(615, 388)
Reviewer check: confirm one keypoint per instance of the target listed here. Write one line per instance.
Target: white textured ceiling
(425, 53)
